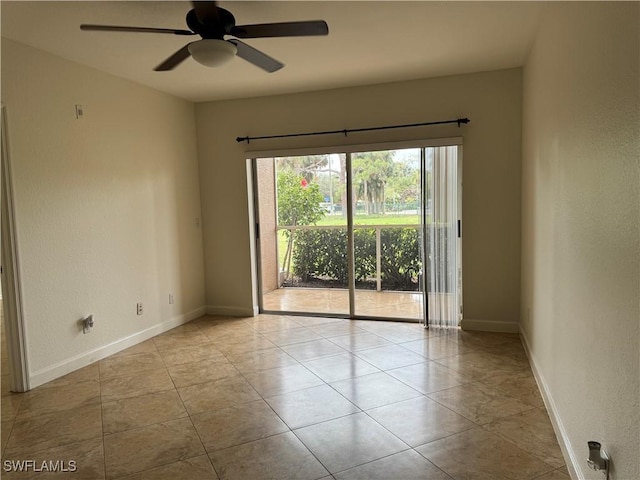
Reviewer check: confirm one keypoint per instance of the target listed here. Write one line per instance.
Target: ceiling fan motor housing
(212, 27)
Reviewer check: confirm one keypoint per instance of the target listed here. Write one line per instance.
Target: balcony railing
(414, 261)
(394, 257)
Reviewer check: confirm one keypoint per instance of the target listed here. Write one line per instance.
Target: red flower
(304, 183)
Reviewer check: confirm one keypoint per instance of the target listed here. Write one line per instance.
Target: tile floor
(281, 397)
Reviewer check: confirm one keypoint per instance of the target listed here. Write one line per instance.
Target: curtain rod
(459, 121)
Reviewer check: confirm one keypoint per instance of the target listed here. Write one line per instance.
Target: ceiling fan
(213, 23)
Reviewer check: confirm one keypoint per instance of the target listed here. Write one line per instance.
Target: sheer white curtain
(441, 272)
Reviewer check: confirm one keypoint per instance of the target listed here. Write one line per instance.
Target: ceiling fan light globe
(212, 52)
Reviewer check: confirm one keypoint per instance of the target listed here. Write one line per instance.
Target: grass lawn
(371, 220)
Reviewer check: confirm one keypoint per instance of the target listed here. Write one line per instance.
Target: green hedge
(322, 255)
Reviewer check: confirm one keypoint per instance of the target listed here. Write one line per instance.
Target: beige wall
(106, 208)
(491, 194)
(581, 246)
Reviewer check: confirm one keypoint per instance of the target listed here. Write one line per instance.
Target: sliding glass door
(303, 243)
(369, 233)
(387, 233)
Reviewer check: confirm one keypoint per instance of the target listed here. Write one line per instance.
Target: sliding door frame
(348, 149)
(423, 234)
(14, 320)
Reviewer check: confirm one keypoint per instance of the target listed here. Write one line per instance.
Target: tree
(298, 204)
(306, 166)
(298, 200)
(371, 170)
(403, 186)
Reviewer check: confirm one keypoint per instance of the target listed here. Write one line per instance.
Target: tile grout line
(104, 449)
(187, 411)
(389, 431)
(149, 425)
(13, 421)
(263, 399)
(360, 411)
(290, 430)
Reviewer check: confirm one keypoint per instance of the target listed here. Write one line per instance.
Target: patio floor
(386, 304)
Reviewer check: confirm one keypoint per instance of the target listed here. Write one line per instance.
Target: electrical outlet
(139, 309)
(171, 299)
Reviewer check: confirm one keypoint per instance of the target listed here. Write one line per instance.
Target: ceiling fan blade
(285, 29)
(117, 28)
(255, 56)
(174, 60)
(206, 11)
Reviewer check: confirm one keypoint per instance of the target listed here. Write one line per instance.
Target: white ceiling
(368, 42)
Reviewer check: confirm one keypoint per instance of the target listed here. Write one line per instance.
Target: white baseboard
(489, 326)
(231, 311)
(72, 364)
(573, 464)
